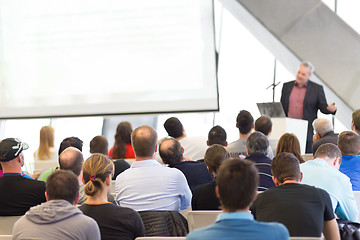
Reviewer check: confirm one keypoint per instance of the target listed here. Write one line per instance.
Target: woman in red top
(122, 147)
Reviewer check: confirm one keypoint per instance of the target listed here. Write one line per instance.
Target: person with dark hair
(245, 124)
(264, 124)
(324, 133)
(349, 145)
(18, 193)
(122, 148)
(196, 173)
(323, 172)
(70, 142)
(236, 222)
(58, 218)
(194, 146)
(217, 135)
(147, 185)
(99, 144)
(204, 197)
(257, 146)
(289, 143)
(355, 122)
(114, 221)
(306, 211)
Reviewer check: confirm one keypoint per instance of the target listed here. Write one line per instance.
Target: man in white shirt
(147, 185)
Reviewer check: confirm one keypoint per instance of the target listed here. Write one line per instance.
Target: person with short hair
(257, 146)
(58, 218)
(349, 144)
(217, 135)
(99, 144)
(147, 185)
(196, 173)
(204, 197)
(236, 222)
(355, 122)
(323, 172)
(324, 133)
(306, 211)
(18, 193)
(264, 124)
(124, 223)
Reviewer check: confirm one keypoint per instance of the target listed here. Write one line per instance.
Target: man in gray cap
(18, 193)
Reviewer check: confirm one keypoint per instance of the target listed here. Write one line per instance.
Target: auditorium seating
(199, 219)
(6, 237)
(7, 223)
(40, 165)
(357, 199)
(160, 238)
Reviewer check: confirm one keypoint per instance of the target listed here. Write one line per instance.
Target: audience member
(194, 147)
(204, 197)
(99, 144)
(355, 123)
(324, 133)
(196, 173)
(217, 135)
(122, 148)
(264, 124)
(147, 185)
(256, 147)
(114, 222)
(323, 172)
(46, 150)
(349, 144)
(236, 222)
(245, 124)
(18, 193)
(58, 218)
(306, 211)
(289, 143)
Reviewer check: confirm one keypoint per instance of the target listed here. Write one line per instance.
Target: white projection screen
(86, 57)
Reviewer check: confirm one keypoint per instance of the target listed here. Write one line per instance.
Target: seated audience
(114, 222)
(256, 147)
(349, 144)
(58, 218)
(306, 211)
(324, 133)
(46, 150)
(355, 123)
(323, 172)
(122, 148)
(147, 185)
(196, 173)
(236, 222)
(194, 147)
(289, 143)
(18, 193)
(204, 197)
(217, 135)
(264, 124)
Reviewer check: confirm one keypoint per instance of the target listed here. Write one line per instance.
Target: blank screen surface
(86, 57)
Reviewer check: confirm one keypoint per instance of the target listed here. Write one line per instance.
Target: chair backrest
(357, 199)
(40, 165)
(160, 238)
(199, 219)
(112, 187)
(7, 223)
(6, 237)
(307, 156)
(129, 160)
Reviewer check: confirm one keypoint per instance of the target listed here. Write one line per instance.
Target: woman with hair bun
(114, 222)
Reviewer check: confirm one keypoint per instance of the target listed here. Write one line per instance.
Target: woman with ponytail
(114, 222)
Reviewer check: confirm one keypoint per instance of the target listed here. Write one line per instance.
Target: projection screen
(87, 57)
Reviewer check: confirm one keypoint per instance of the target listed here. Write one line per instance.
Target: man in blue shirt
(237, 222)
(323, 172)
(349, 144)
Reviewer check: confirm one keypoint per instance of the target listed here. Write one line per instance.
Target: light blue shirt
(149, 186)
(240, 225)
(318, 173)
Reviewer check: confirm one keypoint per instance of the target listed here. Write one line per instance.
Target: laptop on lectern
(271, 109)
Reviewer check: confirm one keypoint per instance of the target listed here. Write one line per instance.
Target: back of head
(289, 143)
(215, 155)
(95, 170)
(356, 120)
(122, 137)
(237, 181)
(174, 127)
(263, 124)
(62, 184)
(322, 126)
(257, 143)
(99, 144)
(70, 142)
(170, 151)
(244, 122)
(349, 143)
(328, 150)
(217, 135)
(285, 166)
(309, 65)
(71, 159)
(46, 142)
(144, 141)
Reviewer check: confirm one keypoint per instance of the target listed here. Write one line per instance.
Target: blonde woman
(114, 222)
(46, 150)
